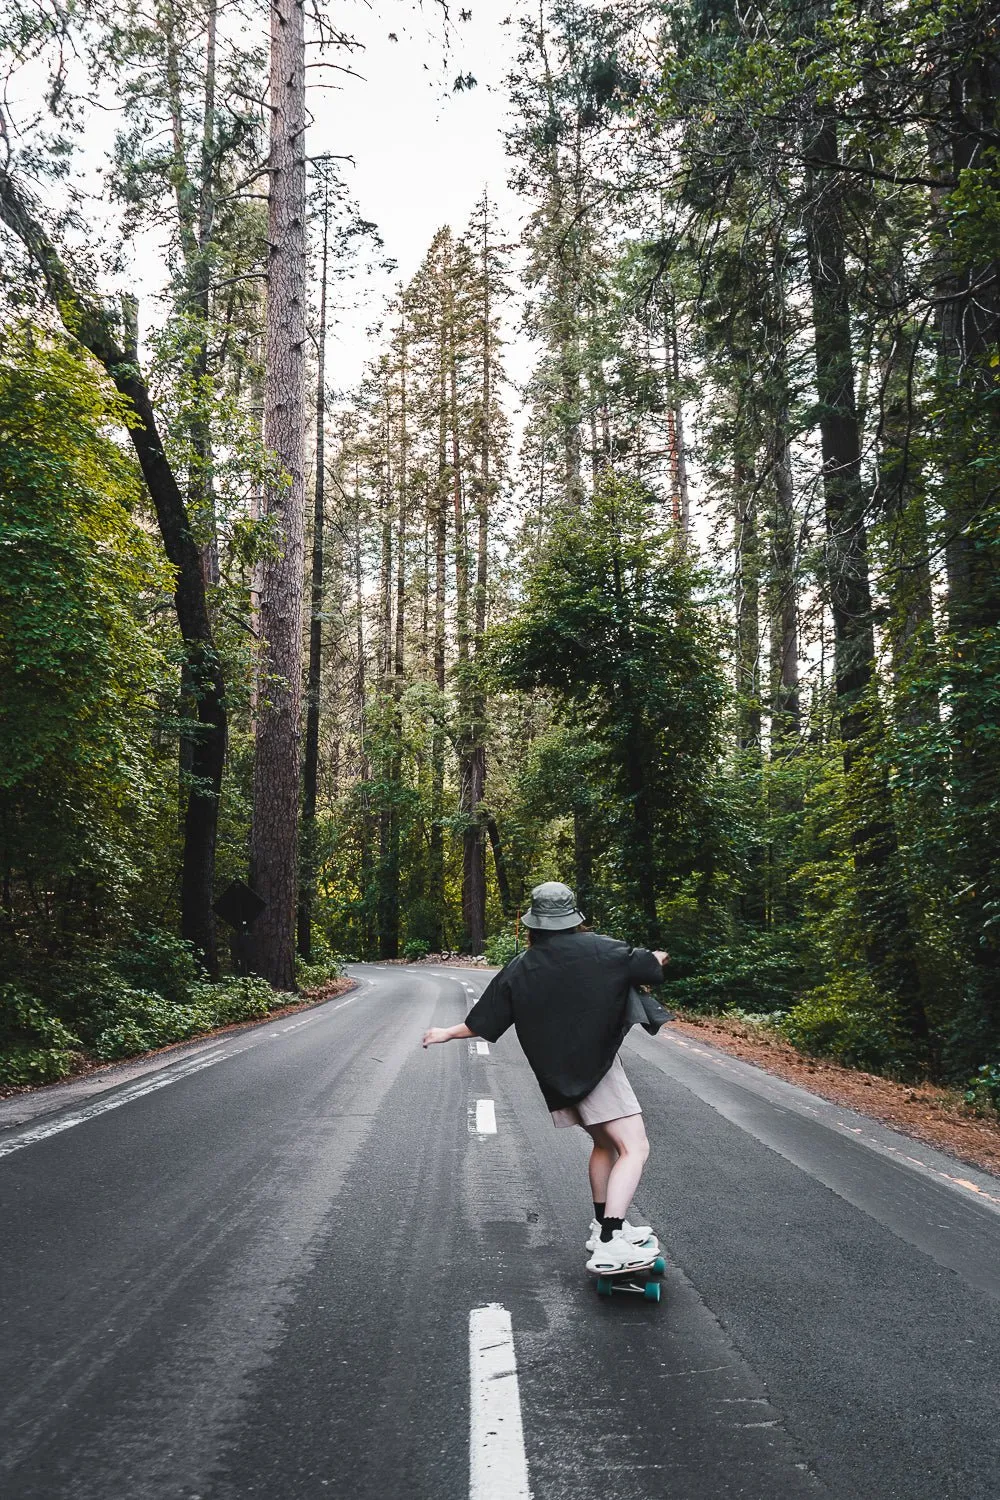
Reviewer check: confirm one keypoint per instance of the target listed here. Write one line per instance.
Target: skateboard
(640, 1280)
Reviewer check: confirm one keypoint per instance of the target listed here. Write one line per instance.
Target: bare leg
(603, 1156)
(628, 1136)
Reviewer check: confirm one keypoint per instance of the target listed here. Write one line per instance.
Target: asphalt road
(295, 1262)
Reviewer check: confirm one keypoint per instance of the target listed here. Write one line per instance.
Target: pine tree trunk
(435, 890)
(274, 827)
(500, 865)
(783, 612)
(387, 898)
(310, 766)
(970, 358)
(888, 939)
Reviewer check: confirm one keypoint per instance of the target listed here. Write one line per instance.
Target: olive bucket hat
(553, 907)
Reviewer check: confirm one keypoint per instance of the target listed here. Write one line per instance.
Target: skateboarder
(566, 995)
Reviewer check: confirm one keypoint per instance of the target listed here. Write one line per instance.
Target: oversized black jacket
(566, 998)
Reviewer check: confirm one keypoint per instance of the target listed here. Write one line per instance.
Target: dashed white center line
(498, 1469)
(482, 1048)
(485, 1117)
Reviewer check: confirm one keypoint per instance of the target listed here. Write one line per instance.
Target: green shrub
(983, 1092)
(763, 1020)
(159, 963)
(415, 948)
(323, 968)
(142, 1021)
(239, 998)
(500, 949)
(764, 972)
(35, 1047)
(849, 1021)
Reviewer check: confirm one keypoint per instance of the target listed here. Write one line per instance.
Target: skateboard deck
(640, 1280)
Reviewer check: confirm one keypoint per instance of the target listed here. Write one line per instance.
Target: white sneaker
(637, 1234)
(618, 1254)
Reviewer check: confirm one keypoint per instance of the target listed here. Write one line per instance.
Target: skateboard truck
(626, 1280)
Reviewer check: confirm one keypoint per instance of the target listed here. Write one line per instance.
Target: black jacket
(567, 999)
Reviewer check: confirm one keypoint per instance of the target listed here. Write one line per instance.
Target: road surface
(310, 1259)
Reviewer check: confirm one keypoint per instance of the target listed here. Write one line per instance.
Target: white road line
(482, 1048)
(102, 1106)
(149, 1085)
(498, 1469)
(486, 1117)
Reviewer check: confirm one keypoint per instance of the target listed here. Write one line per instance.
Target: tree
(611, 626)
(276, 783)
(112, 340)
(81, 665)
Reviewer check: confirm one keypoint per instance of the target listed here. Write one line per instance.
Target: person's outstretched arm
(446, 1034)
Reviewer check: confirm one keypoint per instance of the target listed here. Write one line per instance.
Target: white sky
(422, 153)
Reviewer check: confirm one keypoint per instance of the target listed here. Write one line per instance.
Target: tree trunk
(440, 526)
(887, 936)
(970, 359)
(500, 865)
(782, 595)
(274, 827)
(310, 766)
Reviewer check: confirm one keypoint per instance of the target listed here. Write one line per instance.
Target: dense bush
(848, 1020)
(35, 1047)
(144, 1020)
(500, 949)
(765, 971)
(117, 1004)
(983, 1092)
(415, 948)
(159, 962)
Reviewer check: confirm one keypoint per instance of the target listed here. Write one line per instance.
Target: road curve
(312, 1260)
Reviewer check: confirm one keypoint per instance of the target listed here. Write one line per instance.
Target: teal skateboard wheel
(604, 1286)
(652, 1291)
(659, 1265)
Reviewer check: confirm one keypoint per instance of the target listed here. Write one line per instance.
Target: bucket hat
(553, 907)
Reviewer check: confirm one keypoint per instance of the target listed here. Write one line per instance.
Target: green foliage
(158, 962)
(612, 626)
(94, 1003)
(35, 1047)
(323, 967)
(415, 948)
(500, 948)
(142, 1021)
(763, 972)
(81, 795)
(983, 1092)
(847, 1020)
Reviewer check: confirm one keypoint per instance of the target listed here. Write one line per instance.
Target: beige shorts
(612, 1099)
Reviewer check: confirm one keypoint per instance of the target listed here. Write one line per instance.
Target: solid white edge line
(486, 1117)
(42, 1132)
(174, 1074)
(498, 1468)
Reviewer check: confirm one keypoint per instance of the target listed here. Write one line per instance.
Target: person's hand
(664, 958)
(436, 1034)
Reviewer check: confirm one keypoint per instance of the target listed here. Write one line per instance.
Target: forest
(702, 618)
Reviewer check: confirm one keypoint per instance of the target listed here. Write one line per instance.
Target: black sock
(608, 1228)
(599, 1212)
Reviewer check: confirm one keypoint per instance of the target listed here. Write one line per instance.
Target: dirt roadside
(937, 1116)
